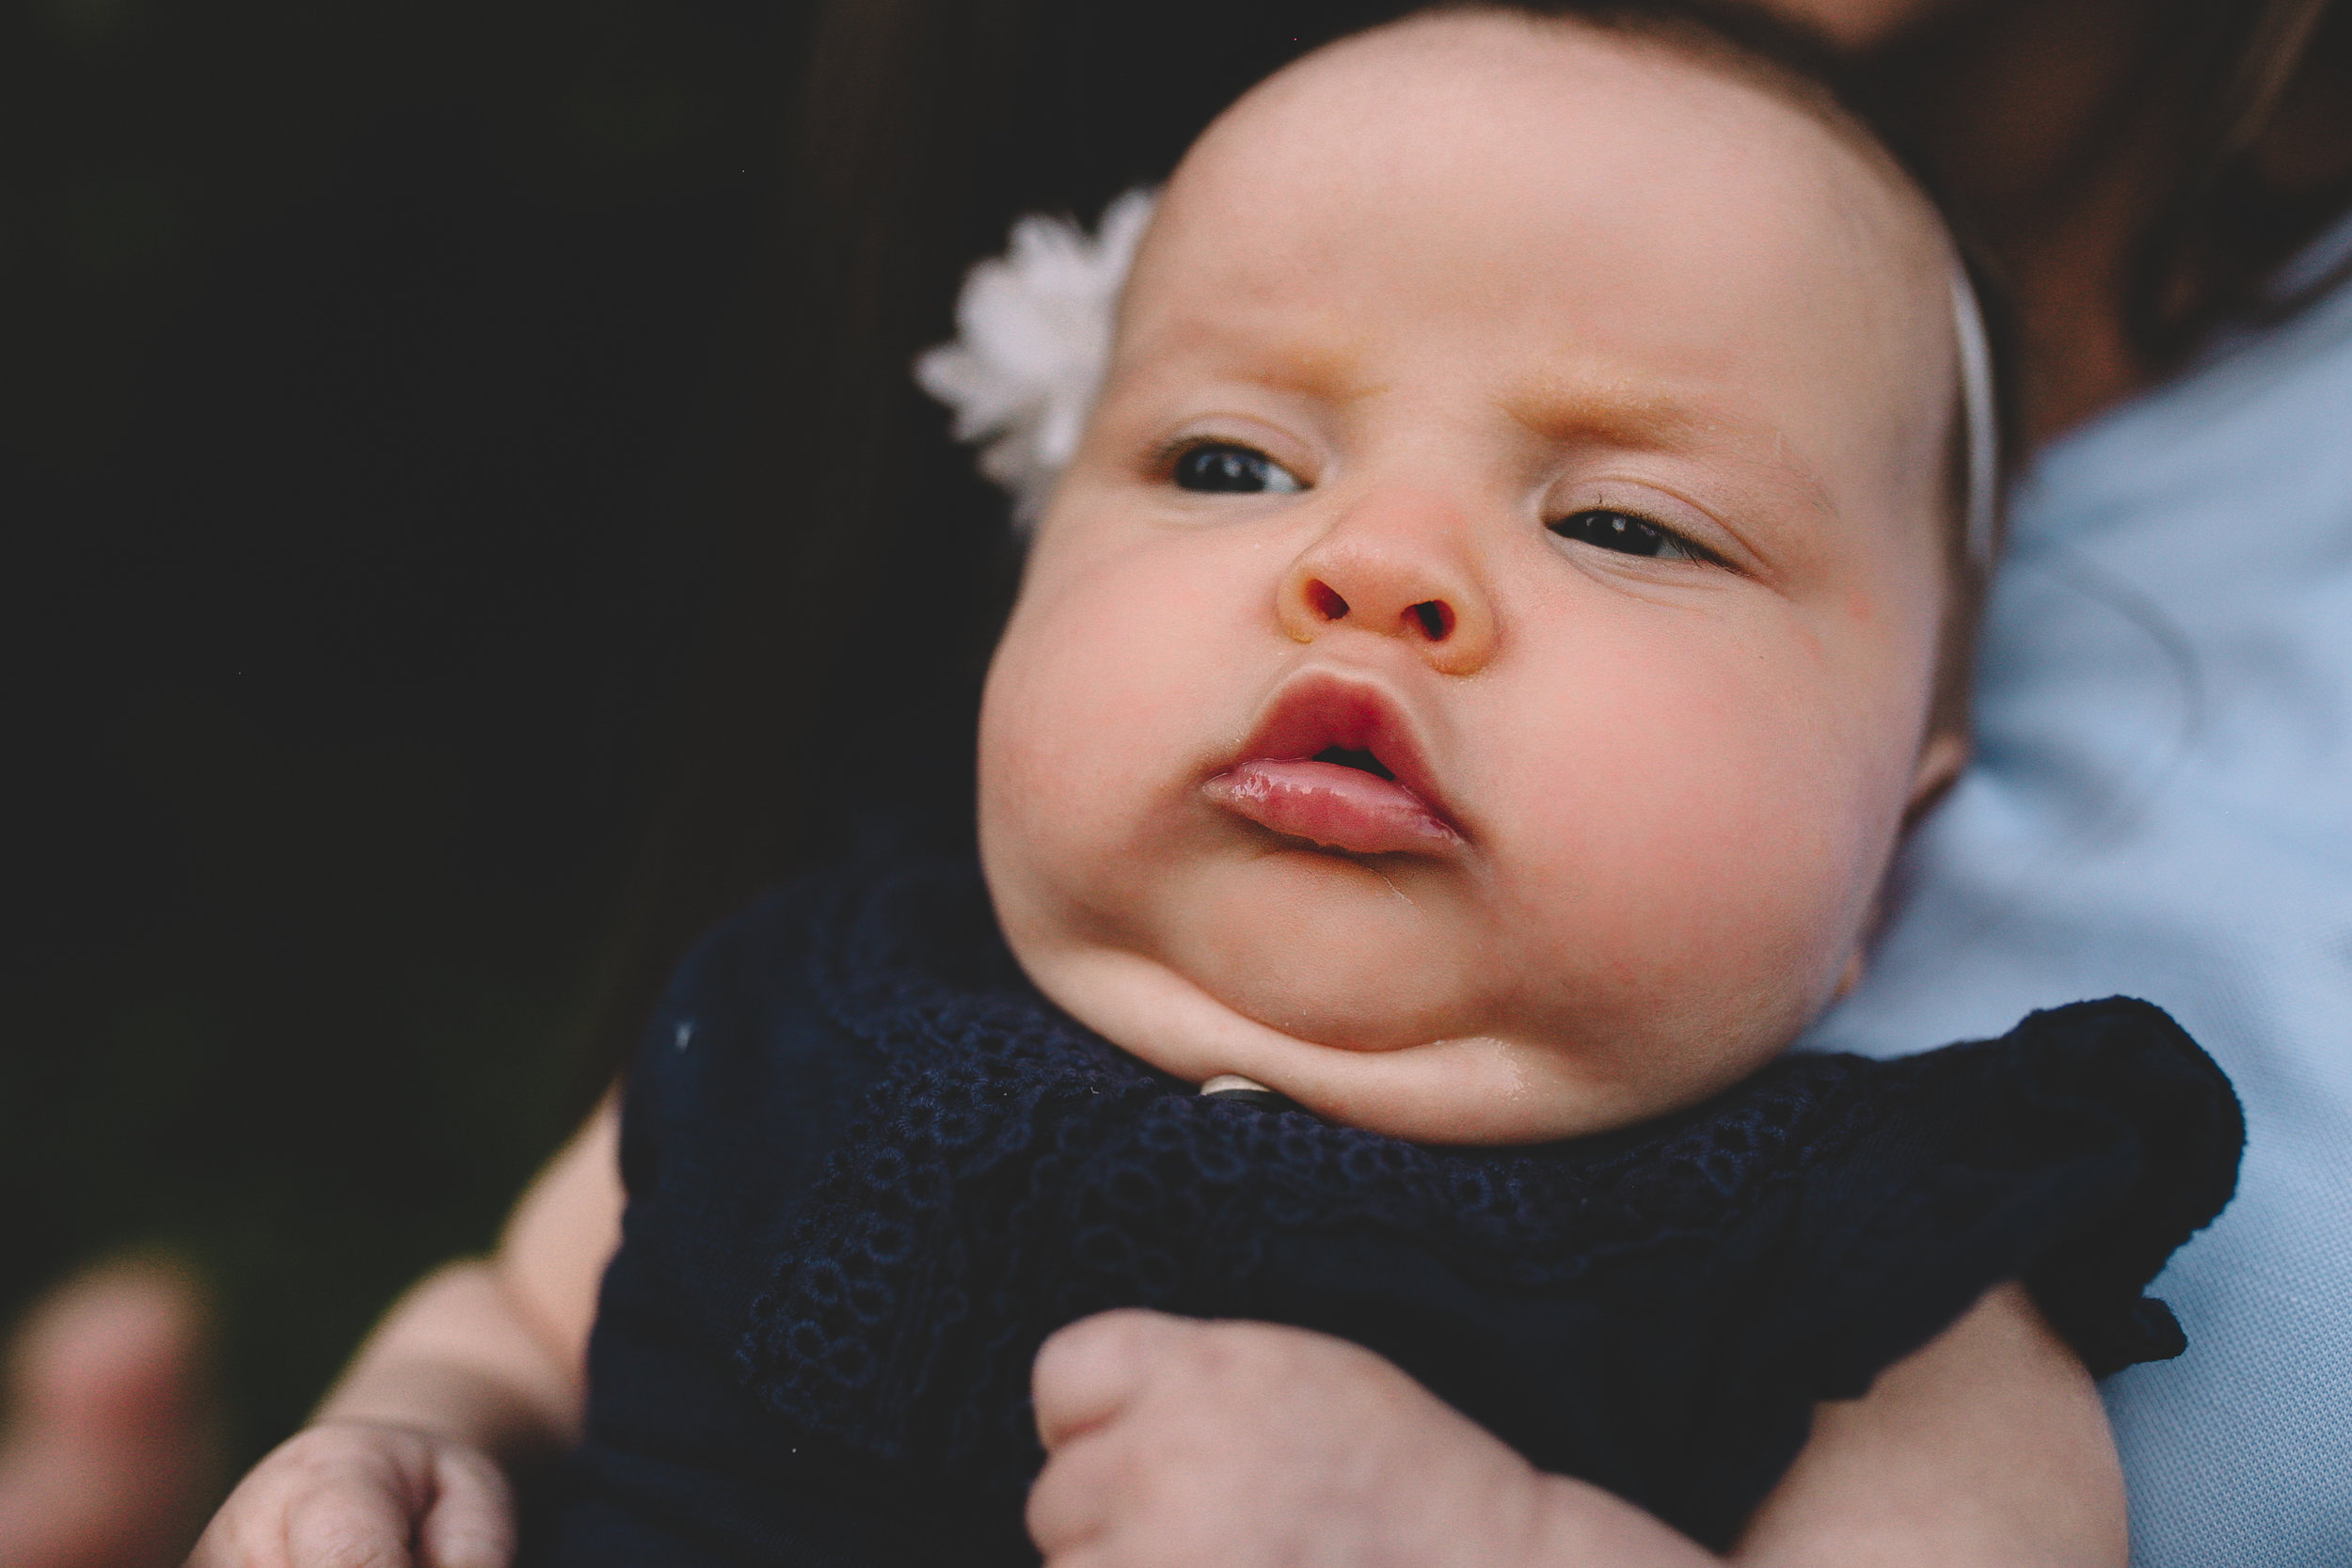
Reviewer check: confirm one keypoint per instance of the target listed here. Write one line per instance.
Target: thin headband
(1979, 425)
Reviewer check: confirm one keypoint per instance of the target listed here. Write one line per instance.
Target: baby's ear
(1942, 756)
(1851, 975)
(1941, 759)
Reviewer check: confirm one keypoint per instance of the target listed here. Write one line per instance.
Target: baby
(1466, 690)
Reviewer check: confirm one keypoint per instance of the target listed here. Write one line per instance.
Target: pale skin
(1756, 365)
(1458, 309)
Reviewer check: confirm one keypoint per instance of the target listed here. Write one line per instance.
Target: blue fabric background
(2161, 806)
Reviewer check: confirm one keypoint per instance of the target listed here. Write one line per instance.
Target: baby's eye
(1627, 535)
(1221, 465)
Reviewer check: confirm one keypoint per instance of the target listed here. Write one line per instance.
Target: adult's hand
(108, 1456)
(1173, 1443)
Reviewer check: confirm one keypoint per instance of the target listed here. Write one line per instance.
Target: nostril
(1326, 601)
(1435, 618)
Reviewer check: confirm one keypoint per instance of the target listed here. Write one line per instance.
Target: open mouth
(1363, 762)
(1336, 765)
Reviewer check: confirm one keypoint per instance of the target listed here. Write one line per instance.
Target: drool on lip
(1339, 804)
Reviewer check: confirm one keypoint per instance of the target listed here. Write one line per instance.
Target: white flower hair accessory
(1033, 337)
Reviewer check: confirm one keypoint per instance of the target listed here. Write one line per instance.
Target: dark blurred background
(371, 374)
(467, 525)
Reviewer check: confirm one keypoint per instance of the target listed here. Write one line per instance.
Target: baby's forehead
(1628, 200)
(1558, 110)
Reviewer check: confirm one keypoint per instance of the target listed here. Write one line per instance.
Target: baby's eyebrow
(1571, 409)
(1318, 370)
(1326, 363)
(1566, 410)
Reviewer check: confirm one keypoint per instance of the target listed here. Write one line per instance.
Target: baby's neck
(1474, 1090)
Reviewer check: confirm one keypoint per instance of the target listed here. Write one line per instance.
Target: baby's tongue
(1326, 803)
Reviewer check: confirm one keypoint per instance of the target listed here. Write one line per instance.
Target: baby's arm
(477, 1372)
(1175, 1444)
(1987, 1446)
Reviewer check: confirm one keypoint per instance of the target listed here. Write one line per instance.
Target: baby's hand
(1186, 1444)
(365, 1494)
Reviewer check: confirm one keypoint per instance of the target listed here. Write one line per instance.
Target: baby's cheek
(1101, 708)
(1695, 850)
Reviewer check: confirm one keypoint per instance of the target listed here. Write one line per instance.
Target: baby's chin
(1461, 1089)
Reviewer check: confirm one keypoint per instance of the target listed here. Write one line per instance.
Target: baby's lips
(1341, 808)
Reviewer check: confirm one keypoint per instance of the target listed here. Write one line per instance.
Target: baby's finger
(1087, 1373)
(1080, 1493)
(472, 1523)
(349, 1529)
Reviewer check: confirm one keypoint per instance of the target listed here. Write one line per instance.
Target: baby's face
(1473, 673)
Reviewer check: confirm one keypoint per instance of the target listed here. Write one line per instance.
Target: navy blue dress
(869, 1170)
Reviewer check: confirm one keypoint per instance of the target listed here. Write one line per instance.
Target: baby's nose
(1397, 577)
